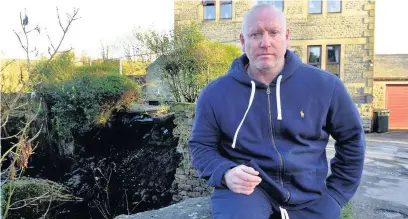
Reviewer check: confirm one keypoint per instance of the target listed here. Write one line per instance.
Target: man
(261, 131)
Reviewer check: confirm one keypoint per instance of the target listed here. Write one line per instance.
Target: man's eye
(255, 35)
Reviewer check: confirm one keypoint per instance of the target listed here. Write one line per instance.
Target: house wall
(389, 69)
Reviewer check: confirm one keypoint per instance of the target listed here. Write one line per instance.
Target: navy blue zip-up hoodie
(280, 130)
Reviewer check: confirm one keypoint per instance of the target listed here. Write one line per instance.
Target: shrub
(79, 104)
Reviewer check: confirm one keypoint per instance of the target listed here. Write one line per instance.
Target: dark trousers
(229, 205)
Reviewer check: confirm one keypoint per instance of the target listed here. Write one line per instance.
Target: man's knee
(229, 205)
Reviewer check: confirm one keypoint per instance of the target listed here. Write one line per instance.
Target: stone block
(368, 7)
(179, 171)
(369, 46)
(368, 20)
(368, 33)
(182, 177)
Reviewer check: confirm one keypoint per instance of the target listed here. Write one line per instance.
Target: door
(397, 102)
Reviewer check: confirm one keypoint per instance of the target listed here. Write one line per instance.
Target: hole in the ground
(391, 213)
(125, 167)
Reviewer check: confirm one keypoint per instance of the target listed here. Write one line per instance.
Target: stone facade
(186, 184)
(352, 29)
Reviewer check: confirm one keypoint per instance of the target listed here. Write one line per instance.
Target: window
(333, 59)
(314, 56)
(315, 6)
(277, 3)
(333, 6)
(209, 9)
(226, 9)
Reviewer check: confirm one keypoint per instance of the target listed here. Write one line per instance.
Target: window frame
(321, 6)
(308, 56)
(225, 2)
(207, 3)
(335, 12)
(273, 3)
(333, 63)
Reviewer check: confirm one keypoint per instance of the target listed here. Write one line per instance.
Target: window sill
(208, 20)
(334, 14)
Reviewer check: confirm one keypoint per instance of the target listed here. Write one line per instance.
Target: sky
(111, 23)
(103, 21)
(391, 32)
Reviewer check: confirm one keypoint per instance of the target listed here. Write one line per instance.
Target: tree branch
(19, 39)
(7, 64)
(64, 30)
(52, 45)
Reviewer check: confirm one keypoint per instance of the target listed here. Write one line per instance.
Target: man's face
(265, 39)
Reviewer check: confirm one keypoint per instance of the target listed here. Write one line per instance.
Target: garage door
(397, 103)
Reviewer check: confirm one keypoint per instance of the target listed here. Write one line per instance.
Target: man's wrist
(224, 181)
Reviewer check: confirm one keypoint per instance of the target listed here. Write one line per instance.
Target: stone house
(335, 35)
(391, 88)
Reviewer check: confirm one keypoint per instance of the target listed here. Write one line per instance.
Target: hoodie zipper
(268, 92)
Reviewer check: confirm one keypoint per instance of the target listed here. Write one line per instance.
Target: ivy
(86, 100)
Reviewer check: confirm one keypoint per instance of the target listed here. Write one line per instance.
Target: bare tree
(135, 48)
(20, 104)
(104, 51)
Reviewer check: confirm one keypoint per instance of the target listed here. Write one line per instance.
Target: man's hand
(242, 179)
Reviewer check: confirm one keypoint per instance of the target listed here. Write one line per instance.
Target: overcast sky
(109, 22)
(112, 22)
(391, 33)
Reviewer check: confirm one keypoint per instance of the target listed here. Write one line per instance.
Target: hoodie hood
(238, 69)
(238, 72)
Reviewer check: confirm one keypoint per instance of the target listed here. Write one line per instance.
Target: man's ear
(287, 38)
(241, 38)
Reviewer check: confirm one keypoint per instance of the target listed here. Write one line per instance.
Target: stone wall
(380, 91)
(186, 184)
(394, 67)
(193, 208)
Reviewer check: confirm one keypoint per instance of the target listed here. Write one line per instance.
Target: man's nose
(265, 40)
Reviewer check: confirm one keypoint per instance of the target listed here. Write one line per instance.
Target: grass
(346, 212)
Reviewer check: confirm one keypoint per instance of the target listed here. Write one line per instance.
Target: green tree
(188, 59)
(213, 59)
(60, 68)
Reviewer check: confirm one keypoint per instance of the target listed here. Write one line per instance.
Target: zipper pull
(268, 90)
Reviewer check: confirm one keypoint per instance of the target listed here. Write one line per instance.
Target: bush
(59, 69)
(99, 66)
(79, 104)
